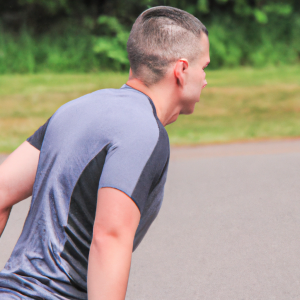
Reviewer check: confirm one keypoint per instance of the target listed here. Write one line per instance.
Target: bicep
(116, 215)
(17, 175)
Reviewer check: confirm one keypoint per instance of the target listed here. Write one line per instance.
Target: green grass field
(240, 104)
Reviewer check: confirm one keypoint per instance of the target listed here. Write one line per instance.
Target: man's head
(160, 36)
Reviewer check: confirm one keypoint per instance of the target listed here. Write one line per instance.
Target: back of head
(162, 35)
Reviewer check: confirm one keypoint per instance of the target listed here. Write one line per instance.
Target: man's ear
(180, 69)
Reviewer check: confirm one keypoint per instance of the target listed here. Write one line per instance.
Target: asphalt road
(228, 229)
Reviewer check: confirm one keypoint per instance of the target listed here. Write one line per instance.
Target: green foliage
(202, 6)
(268, 36)
(67, 52)
(111, 47)
(81, 35)
(16, 55)
(260, 16)
(52, 6)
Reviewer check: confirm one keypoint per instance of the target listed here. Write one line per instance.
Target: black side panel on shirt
(36, 140)
(153, 170)
(81, 219)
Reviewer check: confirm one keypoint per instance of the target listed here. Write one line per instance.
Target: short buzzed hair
(159, 36)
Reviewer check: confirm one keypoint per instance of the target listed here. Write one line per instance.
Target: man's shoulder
(123, 116)
(126, 100)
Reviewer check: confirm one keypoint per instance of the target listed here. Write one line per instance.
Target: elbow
(103, 239)
(4, 206)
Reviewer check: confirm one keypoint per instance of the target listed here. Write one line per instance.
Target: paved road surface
(229, 227)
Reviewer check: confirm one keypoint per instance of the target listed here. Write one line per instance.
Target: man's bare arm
(17, 175)
(117, 218)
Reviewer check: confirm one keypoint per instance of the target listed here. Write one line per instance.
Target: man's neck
(163, 99)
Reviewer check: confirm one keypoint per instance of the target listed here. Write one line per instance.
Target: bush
(235, 42)
(67, 52)
(239, 33)
(111, 46)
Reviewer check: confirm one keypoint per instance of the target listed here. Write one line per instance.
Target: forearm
(4, 214)
(17, 174)
(108, 269)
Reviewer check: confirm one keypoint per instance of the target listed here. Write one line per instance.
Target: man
(97, 168)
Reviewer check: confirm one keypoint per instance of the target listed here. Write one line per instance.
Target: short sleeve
(36, 140)
(136, 168)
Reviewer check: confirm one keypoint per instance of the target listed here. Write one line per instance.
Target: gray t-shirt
(109, 138)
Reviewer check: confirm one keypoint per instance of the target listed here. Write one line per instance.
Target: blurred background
(54, 51)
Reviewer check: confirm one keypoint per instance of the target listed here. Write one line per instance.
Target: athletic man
(97, 168)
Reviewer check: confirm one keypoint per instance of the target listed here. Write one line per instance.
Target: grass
(239, 104)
